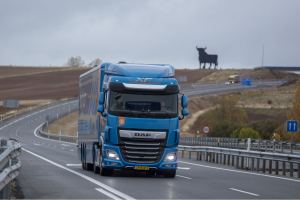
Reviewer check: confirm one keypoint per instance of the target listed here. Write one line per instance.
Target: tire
(83, 165)
(83, 162)
(151, 173)
(96, 168)
(168, 173)
(89, 166)
(105, 171)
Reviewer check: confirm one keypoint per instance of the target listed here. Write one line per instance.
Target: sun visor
(143, 88)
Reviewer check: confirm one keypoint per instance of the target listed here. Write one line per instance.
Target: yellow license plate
(141, 168)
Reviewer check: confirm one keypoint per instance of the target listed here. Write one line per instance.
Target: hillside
(28, 83)
(221, 76)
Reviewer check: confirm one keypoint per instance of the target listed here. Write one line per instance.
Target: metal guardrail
(236, 143)
(10, 164)
(265, 162)
(64, 138)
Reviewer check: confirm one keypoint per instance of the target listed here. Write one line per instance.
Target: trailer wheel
(83, 159)
(89, 166)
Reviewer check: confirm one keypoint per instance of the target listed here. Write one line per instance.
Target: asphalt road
(51, 170)
(196, 90)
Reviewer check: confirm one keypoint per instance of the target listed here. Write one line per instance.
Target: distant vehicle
(233, 79)
(128, 118)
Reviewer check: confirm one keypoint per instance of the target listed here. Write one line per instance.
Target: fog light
(112, 155)
(170, 157)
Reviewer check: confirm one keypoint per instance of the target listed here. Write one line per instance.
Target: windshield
(143, 105)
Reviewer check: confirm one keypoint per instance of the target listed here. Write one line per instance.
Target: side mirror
(101, 104)
(184, 101)
(185, 112)
(184, 107)
(100, 108)
(101, 98)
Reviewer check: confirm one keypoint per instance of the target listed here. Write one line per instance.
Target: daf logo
(142, 134)
(143, 80)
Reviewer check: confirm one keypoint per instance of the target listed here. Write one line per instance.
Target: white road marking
(36, 144)
(66, 145)
(73, 165)
(100, 184)
(72, 150)
(242, 191)
(108, 194)
(43, 138)
(185, 168)
(184, 177)
(242, 172)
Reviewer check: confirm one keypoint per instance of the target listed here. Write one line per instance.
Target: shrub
(246, 132)
(266, 128)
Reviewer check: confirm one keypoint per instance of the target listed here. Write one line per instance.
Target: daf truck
(129, 118)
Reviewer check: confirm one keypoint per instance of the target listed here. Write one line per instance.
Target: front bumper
(122, 164)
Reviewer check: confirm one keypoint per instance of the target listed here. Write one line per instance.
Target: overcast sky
(48, 32)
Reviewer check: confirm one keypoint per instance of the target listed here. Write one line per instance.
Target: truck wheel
(96, 168)
(105, 172)
(168, 173)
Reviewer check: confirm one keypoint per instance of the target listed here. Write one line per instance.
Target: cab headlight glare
(170, 157)
(112, 155)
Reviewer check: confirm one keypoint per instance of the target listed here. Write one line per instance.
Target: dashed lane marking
(245, 192)
(73, 165)
(184, 168)
(108, 194)
(184, 177)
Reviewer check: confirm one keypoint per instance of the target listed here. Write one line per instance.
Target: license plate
(141, 168)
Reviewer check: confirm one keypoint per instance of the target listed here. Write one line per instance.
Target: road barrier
(236, 143)
(10, 165)
(60, 137)
(265, 162)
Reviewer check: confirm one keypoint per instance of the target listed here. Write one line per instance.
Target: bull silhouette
(207, 58)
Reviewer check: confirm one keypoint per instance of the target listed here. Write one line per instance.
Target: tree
(75, 61)
(227, 117)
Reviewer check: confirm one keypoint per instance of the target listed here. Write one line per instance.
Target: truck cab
(137, 120)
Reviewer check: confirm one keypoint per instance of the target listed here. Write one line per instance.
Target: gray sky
(48, 32)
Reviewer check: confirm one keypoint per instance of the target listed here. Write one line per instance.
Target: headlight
(170, 157)
(112, 155)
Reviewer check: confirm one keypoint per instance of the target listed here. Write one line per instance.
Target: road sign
(292, 126)
(206, 129)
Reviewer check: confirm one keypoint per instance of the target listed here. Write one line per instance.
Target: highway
(51, 170)
(197, 90)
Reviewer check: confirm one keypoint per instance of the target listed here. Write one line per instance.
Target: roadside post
(248, 149)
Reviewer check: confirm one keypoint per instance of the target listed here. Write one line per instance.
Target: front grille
(141, 150)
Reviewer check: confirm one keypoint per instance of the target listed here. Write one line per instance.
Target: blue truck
(128, 118)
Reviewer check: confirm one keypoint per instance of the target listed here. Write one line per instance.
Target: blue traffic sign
(292, 126)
